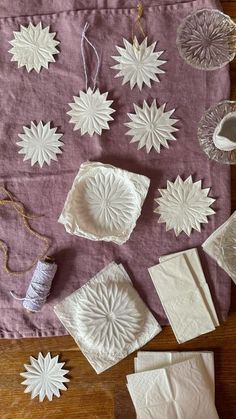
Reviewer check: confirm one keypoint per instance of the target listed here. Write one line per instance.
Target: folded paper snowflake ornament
(104, 203)
(40, 143)
(184, 205)
(91, 112)
(151, 126)
(138, 63)
(34, 47)
(107, 318)
(44, 377)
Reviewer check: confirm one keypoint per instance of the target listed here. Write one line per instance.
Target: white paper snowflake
(44, 377)
(184, 205)
(91, 112)
(40, 143)
(138, 63)
(34, 47)
(151, 126)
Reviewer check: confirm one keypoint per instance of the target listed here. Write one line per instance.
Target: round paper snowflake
(138, 63)
(151, 126)
(34, 47)
(109, 317)
(110, 202)
(206, 39)
(44, 377)
(106, 205)
(91, 112)
(40, 143)
(184, 205)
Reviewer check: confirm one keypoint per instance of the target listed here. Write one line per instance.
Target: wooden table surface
(92, 396)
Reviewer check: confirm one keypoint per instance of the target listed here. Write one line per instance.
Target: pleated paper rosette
(104, 203)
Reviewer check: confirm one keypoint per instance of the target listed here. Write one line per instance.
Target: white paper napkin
(107, 318)
(214, 247)
(181, 299)
(147, 361)
(180, 391)
(194, 264)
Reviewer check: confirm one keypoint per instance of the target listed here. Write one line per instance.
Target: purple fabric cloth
(45, 96)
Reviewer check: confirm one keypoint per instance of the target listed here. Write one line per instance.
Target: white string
(84, 38)
(39, 287)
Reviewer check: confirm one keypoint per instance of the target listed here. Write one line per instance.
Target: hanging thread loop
(137, 23)
(85, 38)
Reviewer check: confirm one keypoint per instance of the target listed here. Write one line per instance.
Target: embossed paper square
(104, 203)
(107, 318)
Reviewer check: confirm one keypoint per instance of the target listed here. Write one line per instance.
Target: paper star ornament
(184, 205)
(151, 126)
(34, 47)
(138, 63)
(91, 112)
(40, 143)
(44, 377)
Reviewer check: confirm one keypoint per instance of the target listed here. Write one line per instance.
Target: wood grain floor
(104, 396)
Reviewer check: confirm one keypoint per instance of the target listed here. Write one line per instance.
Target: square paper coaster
(107, 318)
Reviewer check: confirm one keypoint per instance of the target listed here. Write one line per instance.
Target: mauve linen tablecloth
(45, 96)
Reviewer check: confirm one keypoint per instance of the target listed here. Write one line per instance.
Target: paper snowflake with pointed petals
(44, 377)
(91, 112)
(151, 126)
(34, 47)
(40, 143)
(138, 63)
(184, 205)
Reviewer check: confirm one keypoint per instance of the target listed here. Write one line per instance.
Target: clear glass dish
(206, 39)
(206, 130)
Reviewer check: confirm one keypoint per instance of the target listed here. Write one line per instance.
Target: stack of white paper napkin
(173, 385)
(184, 294)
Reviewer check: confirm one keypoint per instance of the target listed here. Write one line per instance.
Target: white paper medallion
(34, 47)
(138, 63)
(107, 318)
(40, 143)
(151, 126)
(44, 377)
(104, 203)
(184, 205)
(91, 112)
